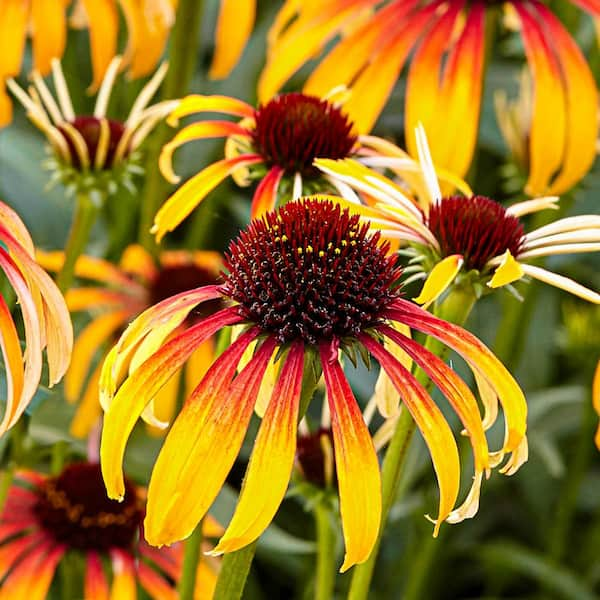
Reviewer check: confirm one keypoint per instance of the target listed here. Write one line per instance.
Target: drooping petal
(271, 461)
(596, 400)
(441, 276)
(95, 586)
(234, 26)
(359, 480)
(196, 131)
(141, 387)
(265, 196)
(193, 191)
(48, 21)
(203, 444)
(480, 358)
(562, 283)
(432, 424)
(196, 103)
(13, 28)
(88, 410)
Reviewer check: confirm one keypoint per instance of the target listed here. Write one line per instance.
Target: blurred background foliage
(537, 534)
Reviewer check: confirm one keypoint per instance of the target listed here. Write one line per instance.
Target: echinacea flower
(116, 294)
(46, 517)
(373, 40)
(466, 234)
(92, 152)
(275, 144)
(307, 281)
(47, 24)
(45, 319)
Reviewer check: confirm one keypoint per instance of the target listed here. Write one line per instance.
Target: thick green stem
(187, 583)
(86, 210)
(325, 577)
(234, 572)
(456, 308)
(183, 53)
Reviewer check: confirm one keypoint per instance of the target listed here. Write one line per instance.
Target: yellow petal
(508, 271)
(234, 26)
(596, 400)
(89, 409)
(13, 27)
(441, 276)
(272, 459)
(49, 25)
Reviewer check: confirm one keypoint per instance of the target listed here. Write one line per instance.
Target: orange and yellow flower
(307, 281)
(275, 144)
(446, 39)
(118, 295)
(45, 319)
(46, 517)
(459, 234)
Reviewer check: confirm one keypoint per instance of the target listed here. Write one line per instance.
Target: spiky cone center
(312, 272)
(174, 279)
(90, 130)
(293, 129)
(315, 459)
(477, 228)
(75, 510)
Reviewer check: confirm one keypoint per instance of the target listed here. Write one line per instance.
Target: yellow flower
(45, 317)
(119, 294)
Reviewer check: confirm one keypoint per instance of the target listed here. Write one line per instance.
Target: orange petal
(359, 481)
(13, 27)
(271, 461)
(196, 103)
(265, 196)
(48, 21)
(96, 586)
(596, 400)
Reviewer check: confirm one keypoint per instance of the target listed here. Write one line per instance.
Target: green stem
(187, 583)
(183, 53)
(86, 210)
(60, 451)
(234, 572)
(325, 578)
(455, 308)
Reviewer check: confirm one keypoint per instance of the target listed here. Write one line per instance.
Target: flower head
(369, 43)
(116, 294)
(473, 235)
(45, 318)
(275, 144)
(92, 151)
(306, 281)
(46, 517)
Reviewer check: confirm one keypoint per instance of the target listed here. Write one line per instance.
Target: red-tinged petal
(196, 131)
(193, 191)
(33, 342)
(357, 468)
(203, 444)
(96, 585)
(221, 104)
(124, 580)
(96, 333)
(454, 389)
(581, 104)
(430, 421)
(12, 552)
(271, 461)
(13, 357)
(548, 129)
(265, 196)
(423, 83)
(137, 391)
(234, 26)
(167, 559)
(479, 358)
(592, 6)
(12, 222)
(156, 585)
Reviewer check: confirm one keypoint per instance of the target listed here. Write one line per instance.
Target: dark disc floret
(89, 128)
(74, 508)
(293, 129)
(311, 271)
(478, 228)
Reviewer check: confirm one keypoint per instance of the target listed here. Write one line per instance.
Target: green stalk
(455, 308)
(87, 206)
(234, 572)
(183, 52)
(325, 578)
(187, 583)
